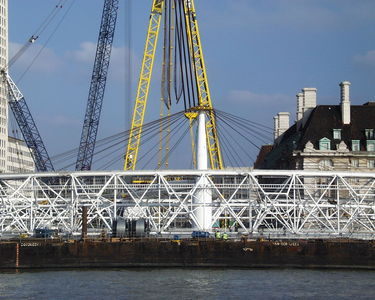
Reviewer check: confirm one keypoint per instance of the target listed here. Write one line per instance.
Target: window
(326, 164)
(356, 146)
(369, 133)
(370, 145)
(354, 162)
(324, 144)
(337, 134)
(371, 163)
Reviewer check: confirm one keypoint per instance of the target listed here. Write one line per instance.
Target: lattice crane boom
(204, 95)
(200, 74)
(97, 86)
(143, 85)
(27, 126)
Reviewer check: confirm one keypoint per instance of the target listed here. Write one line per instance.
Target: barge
(207, 252)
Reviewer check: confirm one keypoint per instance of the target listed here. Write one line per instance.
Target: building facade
(324, 137)
(15, 156)
(3, 89)
(19, 159)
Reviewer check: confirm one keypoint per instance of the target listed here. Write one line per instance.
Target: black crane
(97, 86)
(27, 126)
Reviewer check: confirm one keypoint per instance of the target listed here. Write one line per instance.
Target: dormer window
(356, 146)
(370, 145)
(324, 144)
(369, 133)
(337, 134)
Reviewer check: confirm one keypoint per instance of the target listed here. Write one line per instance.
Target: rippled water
(188, 284)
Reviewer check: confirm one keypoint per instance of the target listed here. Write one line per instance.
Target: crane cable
(153, 132)
(47, 41)
(114, 140)
(52, 15)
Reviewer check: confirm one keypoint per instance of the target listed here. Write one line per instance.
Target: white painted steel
(258, 202)
(202, 155)
(202, 200)
(16, 93)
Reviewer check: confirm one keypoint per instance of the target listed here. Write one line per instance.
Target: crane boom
(27, 126)
(97, 86)
(204, 94)
(200, 79)
(143, 85)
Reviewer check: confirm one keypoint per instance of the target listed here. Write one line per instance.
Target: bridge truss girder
(288, 203)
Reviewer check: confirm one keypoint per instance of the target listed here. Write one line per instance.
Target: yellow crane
(198, 68)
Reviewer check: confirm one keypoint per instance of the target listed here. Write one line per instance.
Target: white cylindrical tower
(202, 157)
(202, 199)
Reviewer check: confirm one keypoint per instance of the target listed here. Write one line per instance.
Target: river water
(188, 284)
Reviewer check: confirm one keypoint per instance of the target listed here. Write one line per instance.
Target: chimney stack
(281, 123)
(299, 106)
(309, 99)
(276, 127)
(345, 102)
(309, 103)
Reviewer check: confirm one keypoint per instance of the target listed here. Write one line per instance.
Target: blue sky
(259, 54)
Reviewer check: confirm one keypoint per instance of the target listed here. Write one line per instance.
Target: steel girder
(303, 204)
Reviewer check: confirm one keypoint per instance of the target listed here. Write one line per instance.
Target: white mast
(202, 197)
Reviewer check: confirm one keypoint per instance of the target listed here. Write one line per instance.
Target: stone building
(3, 89)
(15, 156)
(324, 137)
(19, 159)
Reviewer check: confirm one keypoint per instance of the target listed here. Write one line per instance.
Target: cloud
(62, 120)
(40, 58)
(85, 53)
(367, 59)
(248, 97)
(119, 65)
(293, 14)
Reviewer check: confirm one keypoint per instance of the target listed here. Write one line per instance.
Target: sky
(258, 54)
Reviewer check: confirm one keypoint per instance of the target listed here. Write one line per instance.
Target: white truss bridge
(257, 202)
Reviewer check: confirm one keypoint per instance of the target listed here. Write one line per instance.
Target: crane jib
(97, 86)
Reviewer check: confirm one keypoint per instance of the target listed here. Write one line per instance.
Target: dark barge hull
(332, 253)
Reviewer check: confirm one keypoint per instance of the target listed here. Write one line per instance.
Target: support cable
(261, 126)
(251, 142)
(109, 142)
(233, 149)
(57, 8)
(248, 130)
(153, 134)
(152, 148)
(225, 132)
(46, 43)
(119, 157)
(178, 141)
(228, 152)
